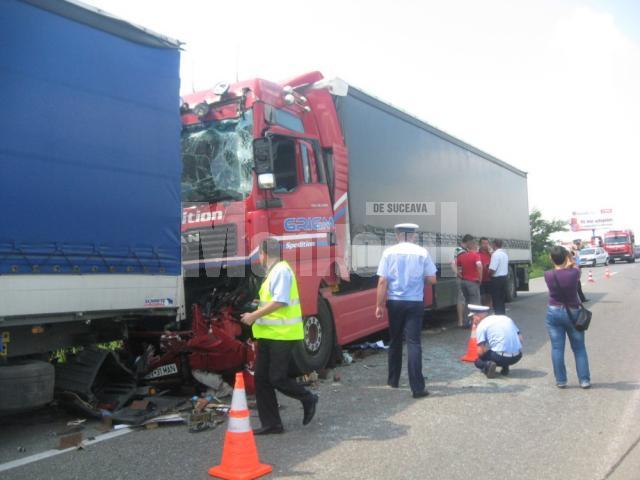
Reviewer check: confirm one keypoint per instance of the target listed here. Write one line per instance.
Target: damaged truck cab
(258, 162)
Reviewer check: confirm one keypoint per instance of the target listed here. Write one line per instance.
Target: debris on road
(155, 406)
(77, 422)
(379, 345)
(70, 441)
(201, 421)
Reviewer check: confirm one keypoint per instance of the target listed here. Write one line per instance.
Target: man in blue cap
(402, 272)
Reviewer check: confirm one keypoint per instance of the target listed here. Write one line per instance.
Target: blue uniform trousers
(405, 321)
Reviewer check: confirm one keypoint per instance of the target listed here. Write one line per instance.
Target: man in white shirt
(499, 341)
(404, 268)
(499, 269)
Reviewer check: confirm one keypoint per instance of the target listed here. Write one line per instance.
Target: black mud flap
(522, 275)
(95, 379)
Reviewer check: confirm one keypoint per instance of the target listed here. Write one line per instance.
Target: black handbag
(582, 320)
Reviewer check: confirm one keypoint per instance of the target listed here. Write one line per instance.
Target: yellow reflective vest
(286, 322)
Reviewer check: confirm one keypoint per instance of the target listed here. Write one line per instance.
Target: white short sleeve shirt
(499, 263)
(500, 334)
(405, 265)
(280, 284)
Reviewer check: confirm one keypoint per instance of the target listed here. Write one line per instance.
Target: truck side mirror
(266, 181)
(263, 161)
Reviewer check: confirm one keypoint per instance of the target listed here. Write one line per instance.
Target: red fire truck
(328, 170)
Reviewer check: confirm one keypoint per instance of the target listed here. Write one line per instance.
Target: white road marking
(52, 453)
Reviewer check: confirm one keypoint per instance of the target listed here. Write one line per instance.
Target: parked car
(591, 257)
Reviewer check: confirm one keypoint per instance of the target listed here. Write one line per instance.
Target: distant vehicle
(619, 244)
(591, 257)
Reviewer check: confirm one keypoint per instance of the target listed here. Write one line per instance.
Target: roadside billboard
(591, 220)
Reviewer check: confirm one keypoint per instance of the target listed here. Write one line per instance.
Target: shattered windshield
(217, 160)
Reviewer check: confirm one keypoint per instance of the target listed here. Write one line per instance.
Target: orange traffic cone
(607, 274)
(239, 454)
(472, 347)
(590, 277)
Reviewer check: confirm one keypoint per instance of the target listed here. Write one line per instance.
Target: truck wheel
(511, 287)
(316, 349)
(25, 385)
(632, 260)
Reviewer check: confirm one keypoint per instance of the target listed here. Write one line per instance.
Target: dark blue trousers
(405, 321)
(491, 356)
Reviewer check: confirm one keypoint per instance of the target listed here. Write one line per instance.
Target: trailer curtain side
(396, 158)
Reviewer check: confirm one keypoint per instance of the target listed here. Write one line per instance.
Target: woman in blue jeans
(562, 282)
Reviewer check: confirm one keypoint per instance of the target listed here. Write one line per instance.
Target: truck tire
(319, 338)
(632, 260)
(25, 385)
(511, 287)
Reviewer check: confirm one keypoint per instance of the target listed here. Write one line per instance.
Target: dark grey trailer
(401, 169)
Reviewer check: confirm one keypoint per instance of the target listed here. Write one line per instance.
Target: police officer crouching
(402, 272)
(499, 341)
(277, 324)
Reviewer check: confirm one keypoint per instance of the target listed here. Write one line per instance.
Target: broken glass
(217, 160)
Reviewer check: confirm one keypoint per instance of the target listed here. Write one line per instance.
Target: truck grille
(210, 242)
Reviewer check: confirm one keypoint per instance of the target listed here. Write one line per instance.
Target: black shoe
(421, 394)
(393, 385)
(490, 370)
(309, 408)
(504, 371)
(268, 430)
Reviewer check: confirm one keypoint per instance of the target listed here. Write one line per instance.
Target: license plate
(162, 371)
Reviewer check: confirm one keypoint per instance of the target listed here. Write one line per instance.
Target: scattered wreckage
(134, 390)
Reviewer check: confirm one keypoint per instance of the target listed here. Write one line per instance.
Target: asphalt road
(520, 427)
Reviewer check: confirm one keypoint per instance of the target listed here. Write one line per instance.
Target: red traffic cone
(239, 454)
(590, 277)
(472, 347)
(607, 274)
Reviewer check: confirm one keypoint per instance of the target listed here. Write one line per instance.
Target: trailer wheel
(315, 351)
(511, 286)
(25, 385)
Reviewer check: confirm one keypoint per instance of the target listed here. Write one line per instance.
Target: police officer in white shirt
(499, 341)
(499, 268)
(403, 269)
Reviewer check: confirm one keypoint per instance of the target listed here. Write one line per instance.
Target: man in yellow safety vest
(277, 324)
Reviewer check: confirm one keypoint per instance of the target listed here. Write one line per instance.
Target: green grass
(539, 266)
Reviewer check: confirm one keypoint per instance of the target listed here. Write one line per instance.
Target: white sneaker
(585, 384)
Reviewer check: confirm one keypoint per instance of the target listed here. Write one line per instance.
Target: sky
(551, 86)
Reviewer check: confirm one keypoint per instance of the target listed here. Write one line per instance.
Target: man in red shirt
(485, 286)
(469, 266)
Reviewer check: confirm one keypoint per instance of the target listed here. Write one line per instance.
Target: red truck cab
(234, 196)
(619, 244)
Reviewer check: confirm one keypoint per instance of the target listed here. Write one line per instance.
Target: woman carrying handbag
(564, 306)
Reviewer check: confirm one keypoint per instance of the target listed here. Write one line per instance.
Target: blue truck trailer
(89, 185)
